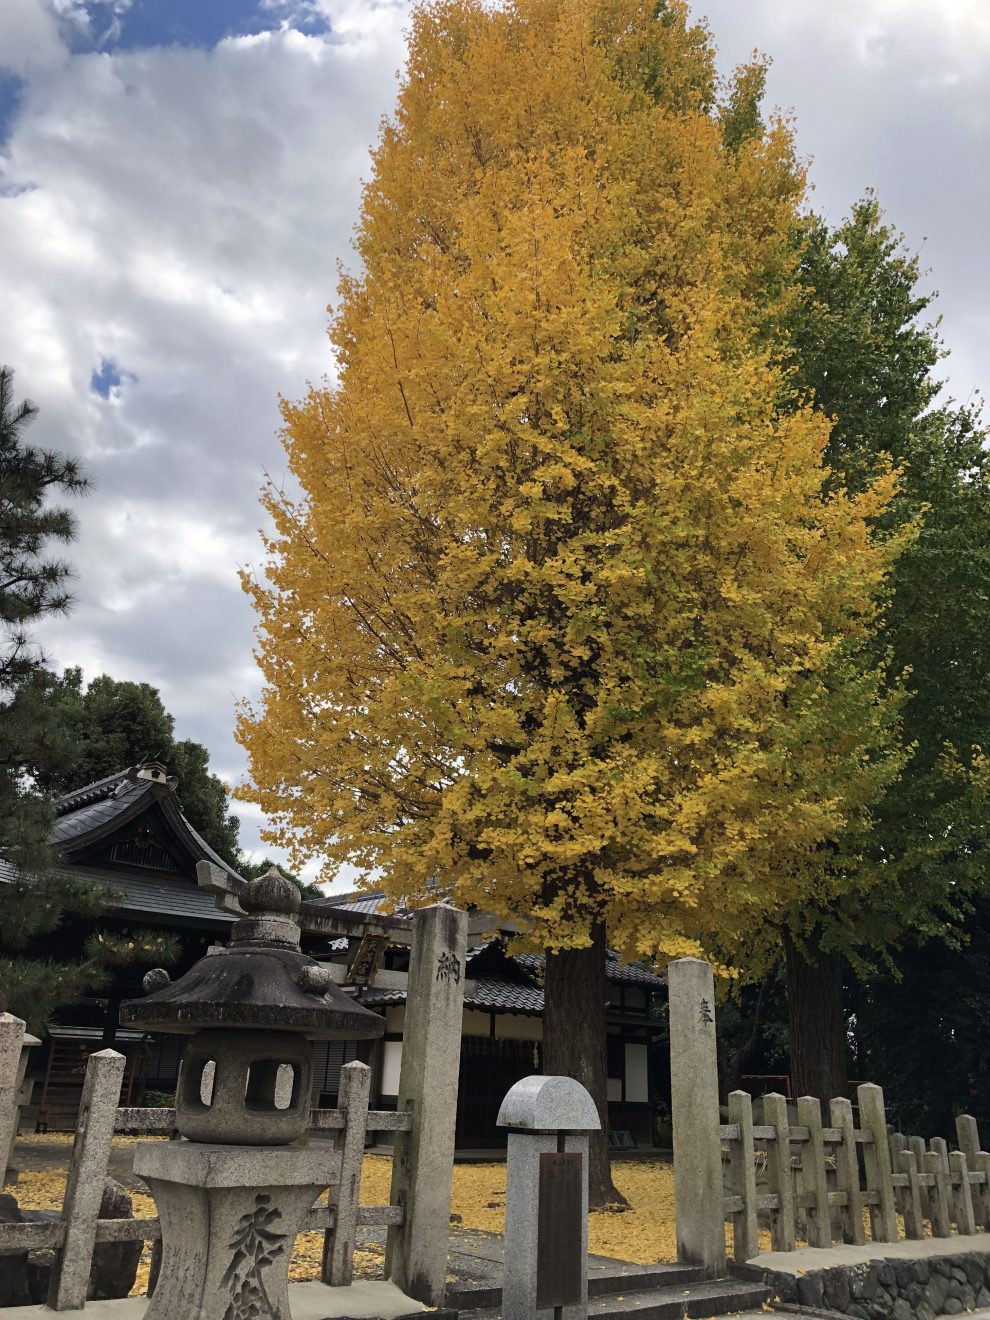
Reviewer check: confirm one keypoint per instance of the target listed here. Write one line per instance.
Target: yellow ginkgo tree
(568, 615)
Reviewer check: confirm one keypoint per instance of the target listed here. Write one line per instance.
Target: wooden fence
(818, 1185)
(79, 1229)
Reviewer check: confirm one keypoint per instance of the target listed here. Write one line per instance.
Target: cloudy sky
(178, 179)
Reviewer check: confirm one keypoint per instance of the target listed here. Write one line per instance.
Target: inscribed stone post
(11, 1039)
(695, 1113)
(423, 1165)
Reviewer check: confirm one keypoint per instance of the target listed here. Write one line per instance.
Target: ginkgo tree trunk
(557, 616)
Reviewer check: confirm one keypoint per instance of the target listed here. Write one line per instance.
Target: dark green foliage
(37, 985)
(32, 583)
(926, 1036)
(741, 116)
(864, 349)
(111, 725)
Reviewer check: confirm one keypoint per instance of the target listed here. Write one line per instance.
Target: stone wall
(898, 1289)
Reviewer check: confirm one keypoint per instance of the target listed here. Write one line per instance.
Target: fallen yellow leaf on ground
(642, 1234)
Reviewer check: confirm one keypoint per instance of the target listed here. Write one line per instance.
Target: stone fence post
(696, 1118)
(546, 1198)
(87, 1172)
(11, 1042)
(423, 1163)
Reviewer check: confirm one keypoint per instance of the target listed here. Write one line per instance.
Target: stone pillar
(696, 1118)
(24, 1092)
(230, 1215)
(546, 1199)
(11, 1041)
(423, 1163)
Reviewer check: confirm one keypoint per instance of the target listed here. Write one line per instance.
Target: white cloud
(892, 95)
(31, 38)
(180, 216)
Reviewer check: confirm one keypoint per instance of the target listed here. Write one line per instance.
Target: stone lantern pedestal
(230, 1215)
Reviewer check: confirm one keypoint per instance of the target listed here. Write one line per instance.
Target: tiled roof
(615, 971)
(488, 995)
(382, 998)
(357, 901)
(95, 792)
(145, 896)
(162, 898)
(78, 819)
(505, 996)
(95, 807)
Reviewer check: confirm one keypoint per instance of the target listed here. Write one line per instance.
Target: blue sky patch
(108, 378)
(10, 98)
(200, 23)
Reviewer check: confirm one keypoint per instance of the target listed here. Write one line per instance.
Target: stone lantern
(235, 1192)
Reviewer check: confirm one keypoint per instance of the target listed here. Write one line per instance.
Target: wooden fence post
(941, 1200)
(914, 1217)
(963, 1197)
(981, 1204)
(11, 1041)
(87, 1175)
(779, 1170)
(423, 1164)
(927, 1194)
(847, 1170)
(696, 1121)
(745, 1226)
(809, 1115)
(968, 1137)
(876, 1157)
(338, 1241)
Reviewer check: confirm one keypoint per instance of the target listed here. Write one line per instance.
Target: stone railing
(79, 1228)
(822, 1184)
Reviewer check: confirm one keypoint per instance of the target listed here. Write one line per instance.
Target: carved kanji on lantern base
(229, 1218)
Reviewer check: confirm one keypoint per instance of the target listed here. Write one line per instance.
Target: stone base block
(230, 1215)
(369, 1299)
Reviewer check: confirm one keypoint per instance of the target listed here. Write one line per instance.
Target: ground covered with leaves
(643, 1233)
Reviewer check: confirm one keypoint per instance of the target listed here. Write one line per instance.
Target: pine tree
(570, 613)
(34, 898)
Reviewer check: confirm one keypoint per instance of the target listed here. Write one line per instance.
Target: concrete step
(718, 1297)
(633, 1278)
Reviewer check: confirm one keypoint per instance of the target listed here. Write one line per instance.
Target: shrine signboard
(559, 1237)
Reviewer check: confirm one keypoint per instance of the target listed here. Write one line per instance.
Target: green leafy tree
(111, 724)
(34, 897)
(864, 348)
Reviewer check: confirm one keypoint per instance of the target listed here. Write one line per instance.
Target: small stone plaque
(559, 1231)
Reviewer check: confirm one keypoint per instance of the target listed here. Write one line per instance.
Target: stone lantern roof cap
(260, 980)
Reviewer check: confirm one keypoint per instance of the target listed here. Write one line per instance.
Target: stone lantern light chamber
(253, 1010)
